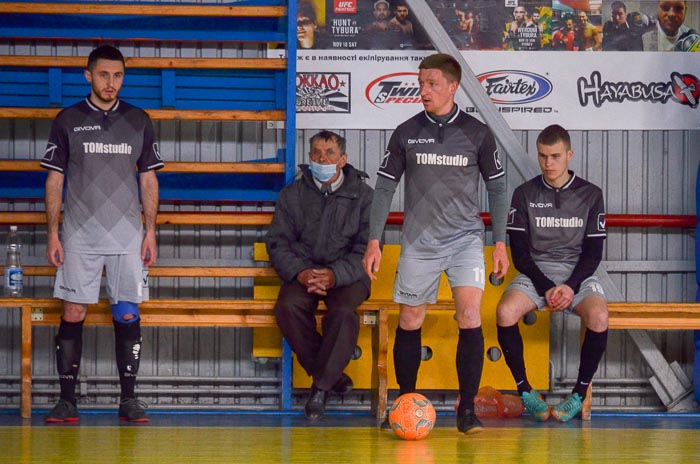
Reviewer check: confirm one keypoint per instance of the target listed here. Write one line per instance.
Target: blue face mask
(323, 172)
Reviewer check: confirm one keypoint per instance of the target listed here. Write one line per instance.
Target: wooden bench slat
(156, 62)
(242, 167)
(164, 218)
(146, 10)
(159, 114)
(175, 271)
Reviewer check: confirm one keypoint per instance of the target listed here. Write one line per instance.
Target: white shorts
(79, 277)
(558, 273)
(418, 279)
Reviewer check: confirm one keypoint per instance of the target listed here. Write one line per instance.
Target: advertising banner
(583, 64)
(627, 91)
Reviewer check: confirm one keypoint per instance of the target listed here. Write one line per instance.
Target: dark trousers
(322, 356)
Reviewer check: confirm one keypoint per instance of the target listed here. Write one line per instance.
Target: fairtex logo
(345, 6)
(682, 88)
(398, 88)
(514, 87)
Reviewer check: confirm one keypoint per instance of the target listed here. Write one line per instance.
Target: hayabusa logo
(683, 88)
(514, 87)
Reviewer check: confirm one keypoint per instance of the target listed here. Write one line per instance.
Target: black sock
(470, 364)
(127, 342)
(407, 357)
(594, 344)
(512, 345)
(69, 348)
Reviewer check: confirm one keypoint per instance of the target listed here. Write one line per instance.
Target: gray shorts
(418, 279)
(558, 273)
(78, 279)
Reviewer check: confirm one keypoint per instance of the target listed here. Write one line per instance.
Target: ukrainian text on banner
(372, 89)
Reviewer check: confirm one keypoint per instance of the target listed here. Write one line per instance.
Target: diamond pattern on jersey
(99, 153)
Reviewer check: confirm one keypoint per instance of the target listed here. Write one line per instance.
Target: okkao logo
(514, 87)
(323, 92)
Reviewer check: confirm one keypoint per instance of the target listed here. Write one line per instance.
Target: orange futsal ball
(412, 416)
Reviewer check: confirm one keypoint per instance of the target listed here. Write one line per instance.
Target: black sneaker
(468, 423)
(316, 404)
(64, 411)
(343, 386)
(132, 410)
(385, 425)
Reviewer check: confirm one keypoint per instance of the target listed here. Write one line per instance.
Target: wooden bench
(636, 317)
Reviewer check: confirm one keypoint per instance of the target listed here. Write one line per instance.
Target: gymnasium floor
(345, 438)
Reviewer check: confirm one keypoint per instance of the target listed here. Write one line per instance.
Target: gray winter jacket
(313, 230)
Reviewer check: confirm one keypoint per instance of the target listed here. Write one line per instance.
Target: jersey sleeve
(489, 162)
(394, 160)
(595, 227)
(517, 216)
(57, 148)
(150, 156)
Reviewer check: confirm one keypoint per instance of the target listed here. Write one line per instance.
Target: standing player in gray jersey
(97, 146)
(443, 152)
(557, 228)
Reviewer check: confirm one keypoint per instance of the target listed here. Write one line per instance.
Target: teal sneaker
(535, 405)
(568, 409)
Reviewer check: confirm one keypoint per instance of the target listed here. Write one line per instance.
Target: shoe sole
(562, 419)
(142, 420)
(474, 430)
(68, 420)
(545, 416)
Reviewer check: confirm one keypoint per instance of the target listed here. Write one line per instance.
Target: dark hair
(616, 5)
(326, 135)
(445, 63)
(550, 135)
(104, 52)
(307, 9)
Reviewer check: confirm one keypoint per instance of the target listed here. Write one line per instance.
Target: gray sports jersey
(99, 152)
(557, 220)
(442, 163)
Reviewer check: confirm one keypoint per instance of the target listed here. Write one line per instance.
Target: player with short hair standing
(556, 227)
(96, 146)
(443, 152)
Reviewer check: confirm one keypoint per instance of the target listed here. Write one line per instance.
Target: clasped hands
(317, 281)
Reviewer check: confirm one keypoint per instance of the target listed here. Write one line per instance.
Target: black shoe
(64, 411)
(132, 410)
(468, 423)
(385, 425)
(343, 386)
(316, 404)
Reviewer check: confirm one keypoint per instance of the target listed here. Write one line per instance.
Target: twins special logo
(514, 87)
(397, 89)
(502, 87)
(682, 88)
(323, 93)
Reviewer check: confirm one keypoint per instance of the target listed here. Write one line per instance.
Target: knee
(506, 314)
(598, 322)
(468, 318)
(74, 312)
(125, 312)
(411, 318)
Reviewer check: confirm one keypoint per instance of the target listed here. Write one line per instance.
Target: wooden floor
(346, 438)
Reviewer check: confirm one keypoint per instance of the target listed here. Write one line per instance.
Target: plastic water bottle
(13, 274)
